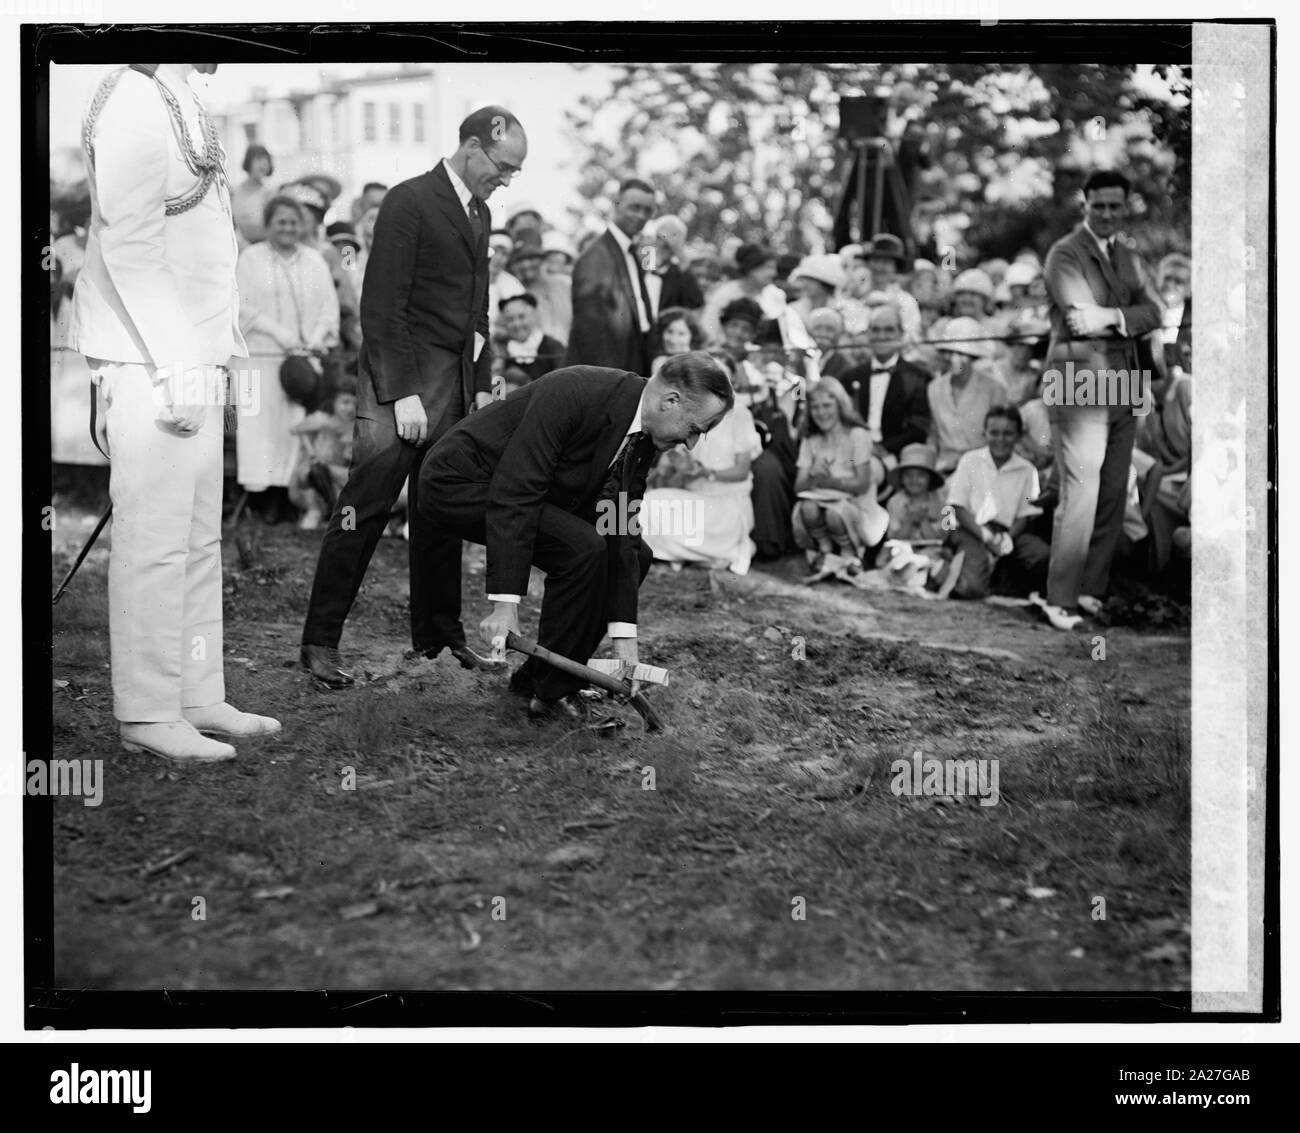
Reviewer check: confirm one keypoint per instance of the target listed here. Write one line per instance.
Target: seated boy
(990, 493)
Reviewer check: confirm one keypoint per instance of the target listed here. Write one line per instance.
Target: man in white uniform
(155, 312)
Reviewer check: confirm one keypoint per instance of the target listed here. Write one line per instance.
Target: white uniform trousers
(164, 573)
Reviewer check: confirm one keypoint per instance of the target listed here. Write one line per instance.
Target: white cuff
(622, 629)
(504, 598)
(1122, 325)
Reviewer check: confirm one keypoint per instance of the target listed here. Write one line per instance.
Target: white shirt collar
(462, 190)
(1014, 461)
(526, 349)
(624, 240)
(887, 364)
(1102, 243)
(635, 427)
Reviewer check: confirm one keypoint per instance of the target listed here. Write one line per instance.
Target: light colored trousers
(164, 570)
(1093, 447)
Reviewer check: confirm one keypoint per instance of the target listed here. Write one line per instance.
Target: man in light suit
(552, 477)
(155, 311)
(612, 309)
(1102, 302)
(423, 366)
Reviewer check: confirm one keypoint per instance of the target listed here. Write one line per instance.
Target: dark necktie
(475, 221)
(1112, 250)
(631, 465)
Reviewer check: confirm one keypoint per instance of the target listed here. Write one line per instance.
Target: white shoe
(1090, 605)
(224, 720)
(175, 740)
(1056, 615)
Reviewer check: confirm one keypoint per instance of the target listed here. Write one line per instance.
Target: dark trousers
(773, 498)
(381, 462)
(579, 564)
(1029, 554)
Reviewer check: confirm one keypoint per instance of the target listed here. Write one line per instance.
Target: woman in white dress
(287, 304)
(707, 515)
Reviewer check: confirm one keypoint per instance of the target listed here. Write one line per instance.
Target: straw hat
(915, 456)
(974, 280)
(828, 270)
(965, 328)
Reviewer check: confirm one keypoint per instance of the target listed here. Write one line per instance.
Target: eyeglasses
(507, 173)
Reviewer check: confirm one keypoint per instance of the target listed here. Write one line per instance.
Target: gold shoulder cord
(207, 166)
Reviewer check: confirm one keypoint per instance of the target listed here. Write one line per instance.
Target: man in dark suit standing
(888, 390)
(1102, 302)
(612, 309)
(424, 365)
(553, 477)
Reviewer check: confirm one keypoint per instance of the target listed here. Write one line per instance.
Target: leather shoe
(176, 741)
(464, 654)
(575, 711)
(326, 665)
(226, 720)
(470, 660)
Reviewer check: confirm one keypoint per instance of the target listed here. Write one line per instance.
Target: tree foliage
(750, 149)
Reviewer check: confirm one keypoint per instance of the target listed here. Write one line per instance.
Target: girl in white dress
(836, 511)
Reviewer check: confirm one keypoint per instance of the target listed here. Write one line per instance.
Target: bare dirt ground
(478, 851)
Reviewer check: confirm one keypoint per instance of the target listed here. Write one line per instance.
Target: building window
(417, 122)
(394, 122)
(368, 131)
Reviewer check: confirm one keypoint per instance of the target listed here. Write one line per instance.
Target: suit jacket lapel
(1103, 262)
(618, 418)
(452, 208)
(624, 273)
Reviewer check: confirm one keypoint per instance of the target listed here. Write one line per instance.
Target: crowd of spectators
(889, 410)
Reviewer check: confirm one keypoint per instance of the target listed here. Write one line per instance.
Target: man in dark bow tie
(424, 365)
(888, 390)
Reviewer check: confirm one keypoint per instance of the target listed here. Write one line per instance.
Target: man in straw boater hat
(156, 314)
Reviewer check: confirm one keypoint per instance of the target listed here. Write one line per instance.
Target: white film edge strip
(1231, 255)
